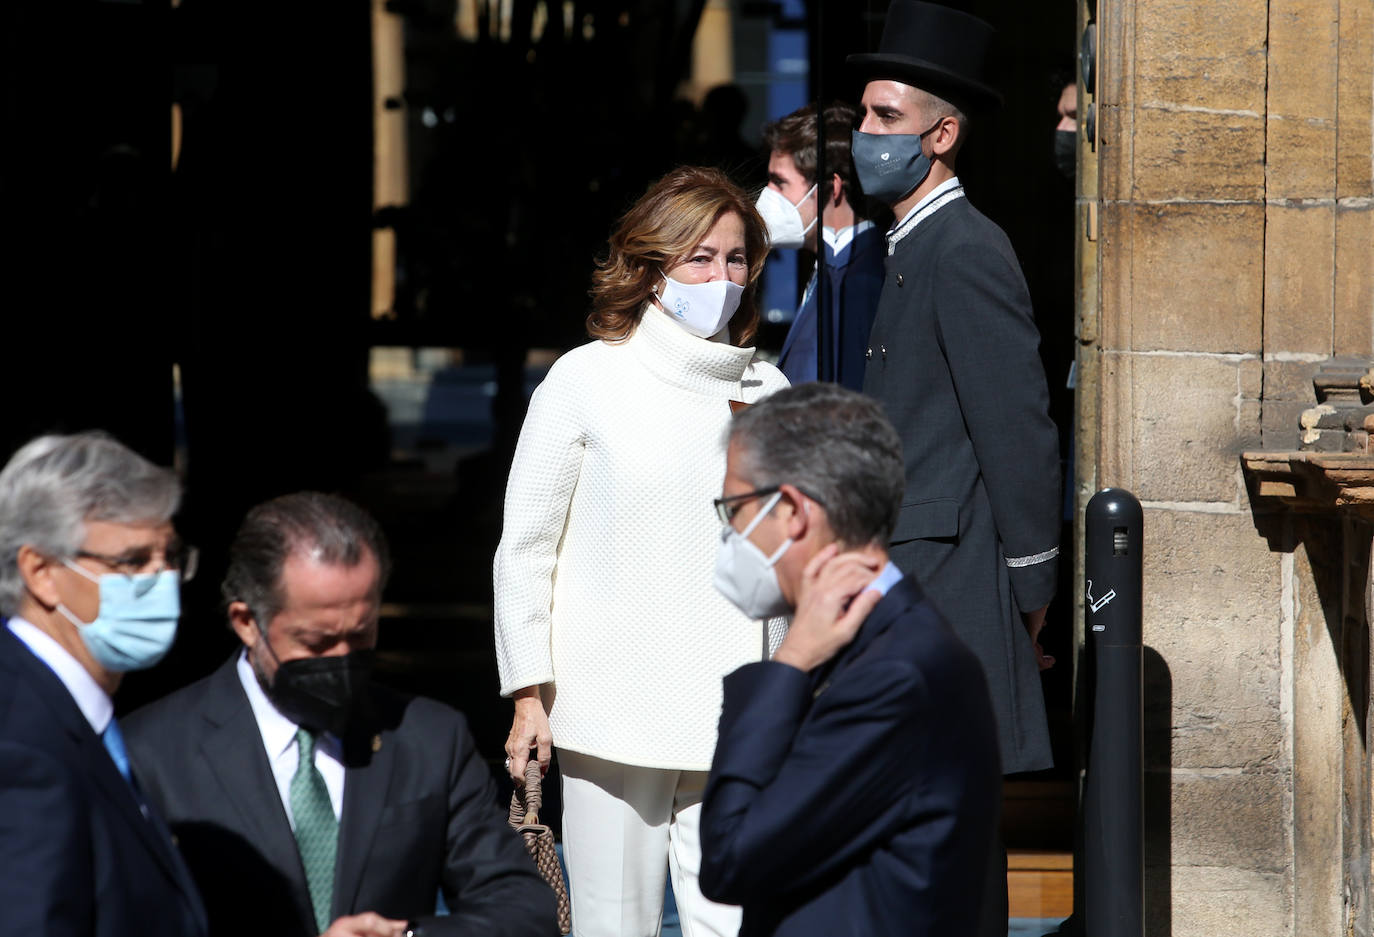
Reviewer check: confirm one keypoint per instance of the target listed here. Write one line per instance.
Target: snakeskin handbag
(524, 819)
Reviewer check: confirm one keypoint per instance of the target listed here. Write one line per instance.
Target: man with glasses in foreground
(90, 574)
(856, 783)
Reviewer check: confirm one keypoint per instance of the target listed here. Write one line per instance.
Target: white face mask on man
(745, 574)
(701, 308)
(783, 218)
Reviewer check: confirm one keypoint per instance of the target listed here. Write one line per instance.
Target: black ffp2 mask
(322, 694)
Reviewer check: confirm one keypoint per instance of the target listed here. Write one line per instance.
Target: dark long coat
(953, 359)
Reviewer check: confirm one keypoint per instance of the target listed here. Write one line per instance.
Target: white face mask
(701, 308)
(745, 574)
(784, 218)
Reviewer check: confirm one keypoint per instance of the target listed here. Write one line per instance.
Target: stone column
(1235, 252)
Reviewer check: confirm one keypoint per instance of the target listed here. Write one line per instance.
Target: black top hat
(934, 48)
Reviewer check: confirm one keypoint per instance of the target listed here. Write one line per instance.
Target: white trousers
(620, 824)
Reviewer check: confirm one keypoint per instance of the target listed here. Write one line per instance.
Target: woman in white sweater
(609, 632)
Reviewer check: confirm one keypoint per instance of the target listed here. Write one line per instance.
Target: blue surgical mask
(137, 621)
(890, 165)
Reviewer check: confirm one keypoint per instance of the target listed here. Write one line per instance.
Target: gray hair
(329, 529)
(54, 485)
(836, 446)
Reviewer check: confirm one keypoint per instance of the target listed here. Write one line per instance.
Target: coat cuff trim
(1016, 562)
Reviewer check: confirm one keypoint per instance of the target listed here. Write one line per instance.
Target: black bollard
(1113, 818)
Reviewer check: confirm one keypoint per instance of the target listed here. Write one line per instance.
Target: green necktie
(317, 829)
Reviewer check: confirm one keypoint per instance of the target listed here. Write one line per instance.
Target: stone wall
(1227, 222)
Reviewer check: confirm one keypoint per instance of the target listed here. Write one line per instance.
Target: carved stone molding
(1313, 482)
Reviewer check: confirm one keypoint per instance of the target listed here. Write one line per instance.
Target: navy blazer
(419, 816)
(854, 280)
(862, 798)
(79, 854)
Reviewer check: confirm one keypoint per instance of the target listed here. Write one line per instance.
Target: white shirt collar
(840, 238)
(278, 735)
(935, 199)
(95, 704)
(278, 732)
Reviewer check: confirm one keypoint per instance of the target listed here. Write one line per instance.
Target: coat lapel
(369, 757)
(108, 781)
(232, 746)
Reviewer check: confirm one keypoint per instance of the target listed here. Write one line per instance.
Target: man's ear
(801, 518)
(836, 190)
(946, 139)
(36, 570)
(243, 622)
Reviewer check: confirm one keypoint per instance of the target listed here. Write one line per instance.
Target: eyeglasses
(728, 507)
(176, 556)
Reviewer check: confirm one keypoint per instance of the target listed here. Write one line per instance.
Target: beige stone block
(1354, 168)
(1218, 900)
(1235, 820)
(1354, 300)
(1180, 417)
(1300, 158)
(1115, 180)
(1299, 259)
(1290, 380)
(1212, 611)
(1303, 39)
(1252, 378)
(1318, 715)
(1184, 154)
(1183, 277)
(1209, 55)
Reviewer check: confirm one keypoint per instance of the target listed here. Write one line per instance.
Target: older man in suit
(89, 580)
(306, 799)
(856, 786)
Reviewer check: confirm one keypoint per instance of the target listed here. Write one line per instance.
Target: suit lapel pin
(869, 353)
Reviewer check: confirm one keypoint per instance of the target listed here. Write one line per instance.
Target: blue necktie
(114, 744)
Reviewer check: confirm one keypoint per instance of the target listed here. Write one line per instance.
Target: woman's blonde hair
(660, 232)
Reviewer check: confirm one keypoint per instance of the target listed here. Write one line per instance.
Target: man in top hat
(953, 358)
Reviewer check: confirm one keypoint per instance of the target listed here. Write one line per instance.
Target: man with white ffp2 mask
(854, 248)
(856, 783)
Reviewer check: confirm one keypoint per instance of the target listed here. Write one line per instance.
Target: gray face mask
(890, 165)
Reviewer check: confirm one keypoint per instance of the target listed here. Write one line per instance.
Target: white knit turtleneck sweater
(603, 578)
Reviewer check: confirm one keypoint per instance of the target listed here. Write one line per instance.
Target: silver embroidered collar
(909, 223)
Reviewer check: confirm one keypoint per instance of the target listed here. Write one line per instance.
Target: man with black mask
(305, 799)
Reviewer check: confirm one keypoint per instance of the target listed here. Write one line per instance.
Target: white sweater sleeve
(543, 475)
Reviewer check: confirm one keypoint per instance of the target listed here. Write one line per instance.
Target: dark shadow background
(249, 266)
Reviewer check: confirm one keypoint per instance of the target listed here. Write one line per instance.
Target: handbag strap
(525, 804)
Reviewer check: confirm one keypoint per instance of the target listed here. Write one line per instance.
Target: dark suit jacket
(860, 799)
(419, 814)
(853, 279)
(955, 364)
(78, 854)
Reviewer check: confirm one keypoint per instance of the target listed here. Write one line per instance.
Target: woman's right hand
(530, 729)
